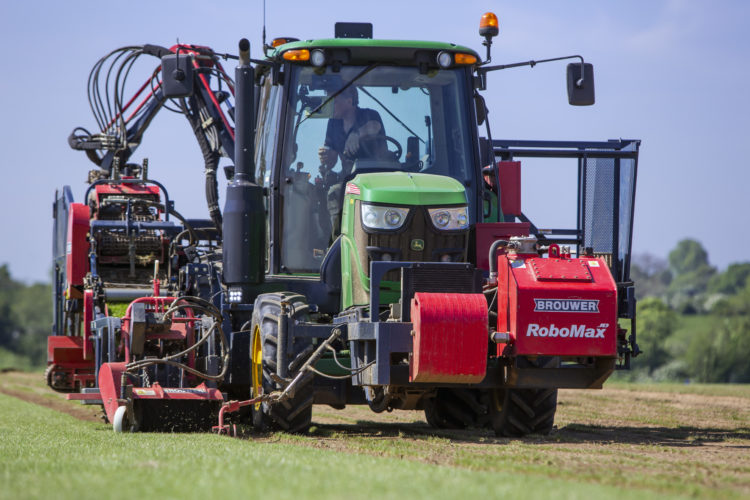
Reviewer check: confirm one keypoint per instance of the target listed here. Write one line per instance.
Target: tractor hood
(405, 188)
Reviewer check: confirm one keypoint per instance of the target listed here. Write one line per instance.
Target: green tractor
(395, 267)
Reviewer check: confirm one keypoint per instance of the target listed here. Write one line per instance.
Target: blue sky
(671, 73)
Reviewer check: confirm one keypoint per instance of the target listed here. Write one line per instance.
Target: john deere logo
(417, 245)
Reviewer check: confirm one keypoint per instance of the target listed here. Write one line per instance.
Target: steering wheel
(368, 148)
(399, 150)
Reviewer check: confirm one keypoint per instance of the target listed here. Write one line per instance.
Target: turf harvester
(372, 248)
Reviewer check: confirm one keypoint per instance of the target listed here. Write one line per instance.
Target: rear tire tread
(519, 412)
(295, 414)
(458, 409)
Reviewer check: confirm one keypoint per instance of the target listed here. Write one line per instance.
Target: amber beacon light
(488, 25)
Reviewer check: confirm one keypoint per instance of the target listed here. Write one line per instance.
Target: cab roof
(369, 50)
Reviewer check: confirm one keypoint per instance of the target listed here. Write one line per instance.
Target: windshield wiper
(339, 91)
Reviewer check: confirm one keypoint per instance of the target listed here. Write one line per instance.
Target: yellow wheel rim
(256, 368)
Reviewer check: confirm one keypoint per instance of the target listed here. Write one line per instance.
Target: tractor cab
(376, 147)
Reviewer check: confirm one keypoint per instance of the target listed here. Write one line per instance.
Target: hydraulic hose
(492, 254)
(211, 161)
(199, 305)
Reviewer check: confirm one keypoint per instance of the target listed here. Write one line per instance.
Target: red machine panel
(129, 188)
(110, 378)
(489, 232)
(68, 368)
(557, 306)
(62, 349)
(77, 246)
(450, 338)
(509, 173)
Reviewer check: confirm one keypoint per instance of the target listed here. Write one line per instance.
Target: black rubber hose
(212, 195)
(211, 161)
(156, 50)
(493, 252)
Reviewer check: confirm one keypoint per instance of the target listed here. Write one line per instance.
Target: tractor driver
(353, 133)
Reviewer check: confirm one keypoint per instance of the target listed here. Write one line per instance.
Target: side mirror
(177, 76)
(481, 111)
(580, 84)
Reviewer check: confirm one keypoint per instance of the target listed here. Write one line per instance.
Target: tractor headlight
(380, 217)
(450, 219)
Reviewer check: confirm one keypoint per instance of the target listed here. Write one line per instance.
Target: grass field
(622, 442)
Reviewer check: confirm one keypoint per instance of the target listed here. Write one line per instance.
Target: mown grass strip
(44, 454)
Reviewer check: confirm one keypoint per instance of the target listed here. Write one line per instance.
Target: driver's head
(345, 102)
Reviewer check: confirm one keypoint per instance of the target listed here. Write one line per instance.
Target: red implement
(450, 338)
(557, 306)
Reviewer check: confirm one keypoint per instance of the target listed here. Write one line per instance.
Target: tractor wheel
(458, 409)
(295, 414)
(518, 412)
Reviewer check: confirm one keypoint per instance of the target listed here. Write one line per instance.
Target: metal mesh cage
(607, 173)
(599, 204)
(608, 192)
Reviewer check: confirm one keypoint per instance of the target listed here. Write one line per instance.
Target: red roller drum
(450, 338)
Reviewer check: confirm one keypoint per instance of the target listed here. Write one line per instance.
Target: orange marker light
(461, 58)
(488, 25)
(282, 40)
(297, 55)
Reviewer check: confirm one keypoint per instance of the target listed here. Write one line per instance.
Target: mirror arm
(484, 70)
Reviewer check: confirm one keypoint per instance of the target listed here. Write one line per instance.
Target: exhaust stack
(244, 223)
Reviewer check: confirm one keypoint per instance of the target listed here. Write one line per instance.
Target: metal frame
(582, 151)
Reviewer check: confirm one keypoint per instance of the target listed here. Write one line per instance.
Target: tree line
(25, 318)
(693, 321)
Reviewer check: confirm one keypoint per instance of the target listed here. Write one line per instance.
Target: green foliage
(8, 324)
(693, 323)
(651, 276)
(117, 309)
(11, 360)
(712, 348)
(25, 318)
(691, 273)
(731, 281)
(656, 322)
(722, 354)
(687, 256)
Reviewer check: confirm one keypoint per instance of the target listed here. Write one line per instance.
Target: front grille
(437, 278)
(398, 245)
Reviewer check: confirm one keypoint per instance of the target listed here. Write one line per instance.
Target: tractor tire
(520, 412)
(458, 409)
(295, 414)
